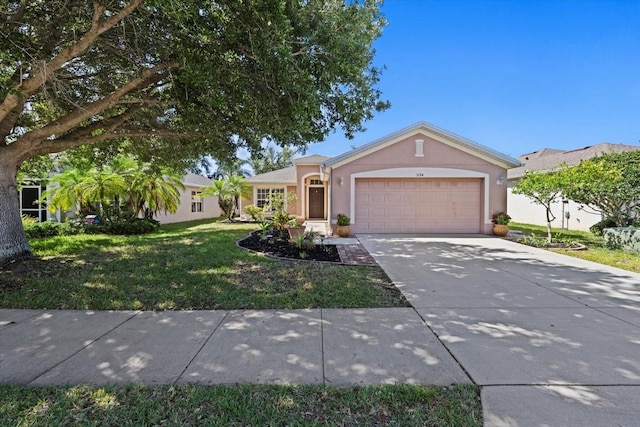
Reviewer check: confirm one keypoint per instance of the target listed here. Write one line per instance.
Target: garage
(418, 205)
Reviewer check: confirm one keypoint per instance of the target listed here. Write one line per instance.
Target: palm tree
(220, 189)
(271, 159)
(68, 193)
(232, 167)
(238, 188)
(103, 189)
(151, 192)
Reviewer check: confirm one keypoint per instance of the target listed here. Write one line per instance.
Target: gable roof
(191, 179)
(547, 159)
(284, 176)
(313, 159)
(434, 132)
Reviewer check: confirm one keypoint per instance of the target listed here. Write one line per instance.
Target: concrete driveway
(552, 340)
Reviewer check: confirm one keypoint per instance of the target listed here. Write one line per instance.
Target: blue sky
(513, 75)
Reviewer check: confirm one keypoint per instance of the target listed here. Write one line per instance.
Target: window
(263, 194)
(29, 196)
(315, 182)
(196, 201)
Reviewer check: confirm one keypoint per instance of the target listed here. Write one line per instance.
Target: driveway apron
(552, 340)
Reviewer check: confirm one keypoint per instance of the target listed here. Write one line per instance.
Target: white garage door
(417, 205)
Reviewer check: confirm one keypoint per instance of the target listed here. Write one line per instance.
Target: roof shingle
(547, 159)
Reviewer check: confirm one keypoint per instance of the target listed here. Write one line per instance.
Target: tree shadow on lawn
(190, 271)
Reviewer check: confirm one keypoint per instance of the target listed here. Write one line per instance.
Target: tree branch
(85, 112)
(67, 143)
(16, 98)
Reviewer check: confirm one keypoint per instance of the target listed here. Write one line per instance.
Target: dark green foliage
(50, 229)
(609, 184)
(625, 238)
(599, 227)
(343, 220)
(178, 80)
(124, 227)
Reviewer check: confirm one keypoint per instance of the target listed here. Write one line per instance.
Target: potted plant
(500, 220)
(343, 228)
(295, 228)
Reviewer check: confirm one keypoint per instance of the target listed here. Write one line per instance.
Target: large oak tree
(181, 78)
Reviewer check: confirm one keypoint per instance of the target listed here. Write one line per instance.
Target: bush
(343, 220)
(255, 212)
(124, 227)
(39, 230)
(625, 238)
(598, 228)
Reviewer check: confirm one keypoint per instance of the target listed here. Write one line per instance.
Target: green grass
(597, 251)
(240, 406)
(193, 266)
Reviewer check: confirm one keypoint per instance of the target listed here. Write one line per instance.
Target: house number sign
(419, 174)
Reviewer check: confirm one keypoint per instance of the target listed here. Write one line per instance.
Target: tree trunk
(13, 241)
(550, 217)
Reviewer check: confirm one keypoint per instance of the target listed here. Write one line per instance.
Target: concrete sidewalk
(318, 346)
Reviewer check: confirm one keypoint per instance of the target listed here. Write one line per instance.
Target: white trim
(430, 131)
(421, 173)
(269, 187)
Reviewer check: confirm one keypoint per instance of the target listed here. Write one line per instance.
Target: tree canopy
(182, 79)
(608, 184)
(272, 159)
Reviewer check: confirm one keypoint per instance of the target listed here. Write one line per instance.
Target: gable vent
(419, 147)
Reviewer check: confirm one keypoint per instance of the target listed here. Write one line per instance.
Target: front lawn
(597, 251)
(187, 266)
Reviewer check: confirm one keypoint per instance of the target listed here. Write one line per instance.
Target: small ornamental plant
(343, 220)
(501, 218)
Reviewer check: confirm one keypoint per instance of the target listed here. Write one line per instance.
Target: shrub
(123, 227)
(343, 220)
(625, 238)
(305, 240)
(501, 218)
(255, 212)
(37, 230)
(28, 220)
(598, 227)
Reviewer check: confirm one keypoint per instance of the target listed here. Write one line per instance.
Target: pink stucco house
(420, 179)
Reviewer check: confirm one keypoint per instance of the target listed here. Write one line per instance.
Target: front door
(316, 202)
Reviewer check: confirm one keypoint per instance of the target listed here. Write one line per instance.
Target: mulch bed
(279, 246)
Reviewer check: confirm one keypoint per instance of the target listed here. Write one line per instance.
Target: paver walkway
(355, 254)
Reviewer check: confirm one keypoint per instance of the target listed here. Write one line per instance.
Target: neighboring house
(420, 179)
(569, 215)
(192, 206)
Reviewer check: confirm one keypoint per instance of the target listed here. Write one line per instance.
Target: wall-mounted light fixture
(341, 180)
(500, 180)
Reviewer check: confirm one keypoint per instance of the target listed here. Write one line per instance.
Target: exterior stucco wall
(210, 208)
(439, 160)
(293, 208)
(524, 210)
